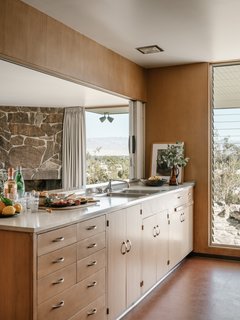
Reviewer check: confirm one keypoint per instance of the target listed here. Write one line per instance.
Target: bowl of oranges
(8, 208)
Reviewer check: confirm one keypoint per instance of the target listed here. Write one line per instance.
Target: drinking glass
(29, 199)
(34, 201)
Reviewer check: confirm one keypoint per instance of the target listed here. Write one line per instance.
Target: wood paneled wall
(34, 39)
(178, 110)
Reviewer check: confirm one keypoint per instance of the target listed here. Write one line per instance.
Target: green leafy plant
(173, 156)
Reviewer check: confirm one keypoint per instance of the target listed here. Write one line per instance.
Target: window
(107, 136)
(225, 222)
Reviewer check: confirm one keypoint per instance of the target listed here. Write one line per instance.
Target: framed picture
(159, 169)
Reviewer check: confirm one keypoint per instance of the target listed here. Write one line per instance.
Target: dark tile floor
(200, 289)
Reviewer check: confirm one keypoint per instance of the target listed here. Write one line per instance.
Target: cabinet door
(176, 235)
(149, 253)
(162, 244)
(116, 271)
(133, 240)
(188, 229)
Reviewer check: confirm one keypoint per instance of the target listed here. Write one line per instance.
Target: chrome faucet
(109, 186)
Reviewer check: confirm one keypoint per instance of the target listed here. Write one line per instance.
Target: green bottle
(20, 182)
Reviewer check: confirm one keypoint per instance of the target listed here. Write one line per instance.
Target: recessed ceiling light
(150, 49)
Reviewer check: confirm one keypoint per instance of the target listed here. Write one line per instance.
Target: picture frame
(160, 169)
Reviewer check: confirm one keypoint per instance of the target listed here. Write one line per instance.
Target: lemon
(9, 210)
(18, 207)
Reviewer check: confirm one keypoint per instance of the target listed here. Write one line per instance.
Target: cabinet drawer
(56, 239)
(155, 205)
(94, 311)
(90, 227)
(56, 282)
(91, 264)
(56, 260)
(182, 197)
(90, 245)
(72, 300)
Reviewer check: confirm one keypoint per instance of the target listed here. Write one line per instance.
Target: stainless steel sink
(130, 193)
(138, 191)
(134, 193)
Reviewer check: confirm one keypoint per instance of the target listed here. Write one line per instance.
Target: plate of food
(68, 202)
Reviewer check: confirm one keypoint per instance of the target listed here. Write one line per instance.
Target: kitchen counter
(43, 220)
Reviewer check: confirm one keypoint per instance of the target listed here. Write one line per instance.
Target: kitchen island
(55, 264)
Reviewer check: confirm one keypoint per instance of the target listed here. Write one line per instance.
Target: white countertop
(43, 220)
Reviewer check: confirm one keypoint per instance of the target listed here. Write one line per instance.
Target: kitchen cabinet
(124, 259)
(65, 272)
(166, 234)
(154, 249)
(181, 228)
(71, 269)
(57, 274)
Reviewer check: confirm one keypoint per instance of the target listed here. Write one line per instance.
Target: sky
(96, 129)
(227, 123)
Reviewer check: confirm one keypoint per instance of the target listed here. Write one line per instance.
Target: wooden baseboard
(212, 256)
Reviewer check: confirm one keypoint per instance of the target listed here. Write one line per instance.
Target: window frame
(136, 129)
(210, 159)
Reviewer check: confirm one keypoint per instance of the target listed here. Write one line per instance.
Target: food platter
(68, 207)
(2, 216)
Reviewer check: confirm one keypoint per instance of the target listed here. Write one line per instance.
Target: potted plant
(173, 158)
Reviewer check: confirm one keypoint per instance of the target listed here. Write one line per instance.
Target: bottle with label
(20, 182)
(10, 186)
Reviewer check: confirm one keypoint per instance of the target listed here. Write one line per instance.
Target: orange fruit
(18, 207)
(2, 205)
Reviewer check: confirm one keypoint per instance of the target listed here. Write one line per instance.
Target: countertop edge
(42, 221)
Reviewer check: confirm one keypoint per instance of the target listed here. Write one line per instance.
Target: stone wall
(32, 138)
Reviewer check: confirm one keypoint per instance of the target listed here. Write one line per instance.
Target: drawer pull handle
(154, 232)
(123, 248)
(92, 263)
(58, 305)
(92, 245)
(58, 239)
(179, 208)
(58, 260)
(157, 230)
(61, 280)
(93, 284)
(92, 228)
(129, 245)
(93, 311)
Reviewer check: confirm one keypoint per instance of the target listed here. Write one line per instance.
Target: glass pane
(225, 161)
(107, 146)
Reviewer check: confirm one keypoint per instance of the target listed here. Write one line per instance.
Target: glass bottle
(3, 178)
(20, 182)
(10, 186)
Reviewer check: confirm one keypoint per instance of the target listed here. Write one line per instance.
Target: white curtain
(74, 148)
(137, 139)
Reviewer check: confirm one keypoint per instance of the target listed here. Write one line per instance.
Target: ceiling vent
(150, 49)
